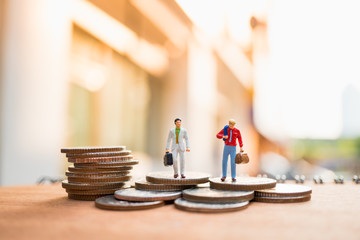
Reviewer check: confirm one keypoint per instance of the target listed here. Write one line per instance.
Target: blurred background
(118, 72)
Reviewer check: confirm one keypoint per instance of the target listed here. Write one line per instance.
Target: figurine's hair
(232, 121)
(177, 119)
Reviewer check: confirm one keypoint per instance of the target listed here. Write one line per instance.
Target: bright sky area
(308, 84)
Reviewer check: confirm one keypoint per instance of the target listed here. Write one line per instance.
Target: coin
(283, 199)
(243, 184)
(284, 190)
(209, 207)
(91, 186)
(97, 174)
(93, 192)
(111, 203)
(109, 164)
(96, 170)
(208, 195)
(98, 154)
(142, 184)
(132, 194)
(98, 179)
(192, 178)
(101, 159)
(85, 197)
(92, 149)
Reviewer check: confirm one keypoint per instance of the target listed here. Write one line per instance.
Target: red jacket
(235, 135)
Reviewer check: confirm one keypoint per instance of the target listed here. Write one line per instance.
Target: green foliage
(317, 149)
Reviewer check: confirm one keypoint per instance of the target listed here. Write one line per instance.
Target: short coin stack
(223, 196)
(97, 171)
(158, 188)
(284, 193)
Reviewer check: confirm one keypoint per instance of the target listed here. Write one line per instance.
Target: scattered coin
(92, 149)
(132, 194)
(242, 184)
(111, 203)
(209, 207)
(208, 195)
(142, 184)
(283, 199)
(284, 190)
(192, 178)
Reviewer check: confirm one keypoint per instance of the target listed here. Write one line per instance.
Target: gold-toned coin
(96, 170)
(98, 179)
(109, 164)
(93, 192)
(93, 149)
(101, 159)
(84, 197)
(98, 174)
(98, 154)
(92, 186)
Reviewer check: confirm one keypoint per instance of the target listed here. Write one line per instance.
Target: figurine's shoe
(234, 179)
(176, 175)
(183, 176)
(223, 179)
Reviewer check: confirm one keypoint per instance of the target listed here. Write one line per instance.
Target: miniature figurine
(177, 136)
(230, 134)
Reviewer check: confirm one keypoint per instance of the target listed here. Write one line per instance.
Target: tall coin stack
(97, 171)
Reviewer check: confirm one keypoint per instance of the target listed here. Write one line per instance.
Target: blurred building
(115, 72)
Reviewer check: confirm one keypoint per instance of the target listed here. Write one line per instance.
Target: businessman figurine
(230, 134)
(177, 135)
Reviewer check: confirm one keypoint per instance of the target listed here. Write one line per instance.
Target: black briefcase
(168, 159)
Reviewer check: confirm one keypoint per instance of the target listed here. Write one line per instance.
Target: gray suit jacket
(182, 135)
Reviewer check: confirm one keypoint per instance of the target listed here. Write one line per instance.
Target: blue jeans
(232, 151)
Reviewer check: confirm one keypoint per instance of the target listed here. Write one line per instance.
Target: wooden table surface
(45, 212)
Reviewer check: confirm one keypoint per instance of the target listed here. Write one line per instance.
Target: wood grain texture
(45, 212)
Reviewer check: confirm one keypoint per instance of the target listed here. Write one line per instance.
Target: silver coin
(208, 195)
(284, 190)
(192, 178)
(132, 194)
(208, 207)
(111, 203)
(295, 199)
(142, 184)
(242, 183)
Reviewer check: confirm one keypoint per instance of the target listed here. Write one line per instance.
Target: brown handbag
(241, 158)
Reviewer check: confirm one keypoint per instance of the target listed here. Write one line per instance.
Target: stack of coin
(205, 199)
(284, 193)
(223, 196)
(157, 189)
(97, 171)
